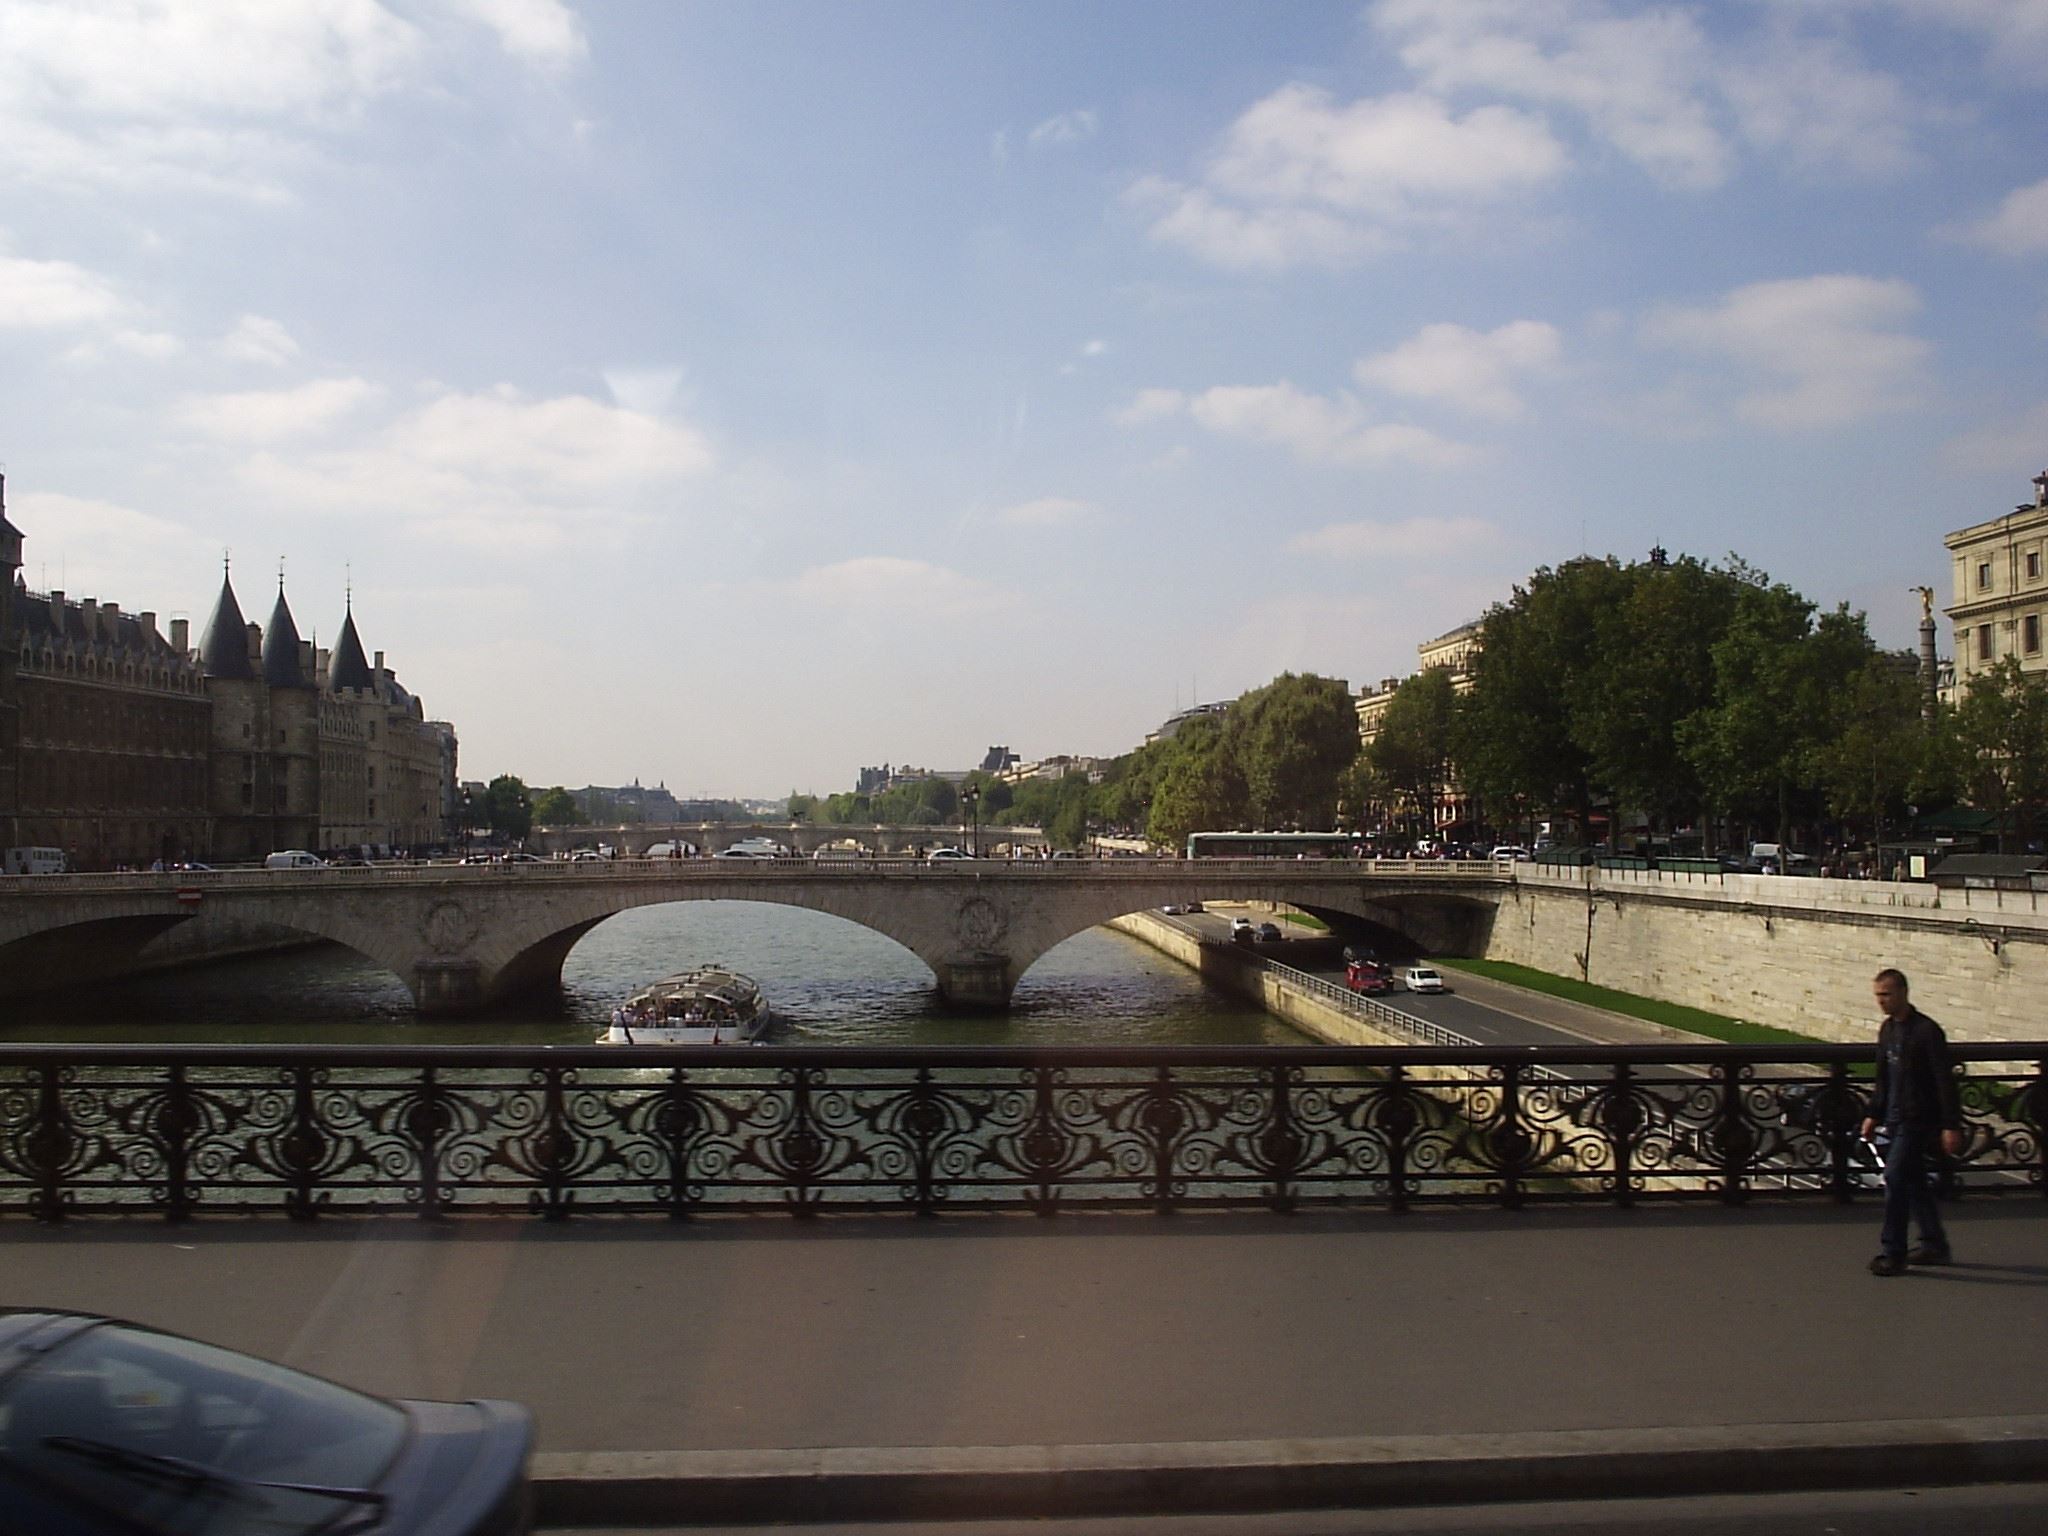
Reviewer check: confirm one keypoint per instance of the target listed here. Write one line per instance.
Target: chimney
(57, 612)
(148, 622)
(2041, 489)
(91, 612)
(377, 672)
(306, 658)
(181, 636)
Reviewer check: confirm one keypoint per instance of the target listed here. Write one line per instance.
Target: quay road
(1483, 1011)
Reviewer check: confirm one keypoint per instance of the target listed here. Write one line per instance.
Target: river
(829, 982)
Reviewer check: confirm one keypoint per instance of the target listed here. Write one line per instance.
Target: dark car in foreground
(112, 1429)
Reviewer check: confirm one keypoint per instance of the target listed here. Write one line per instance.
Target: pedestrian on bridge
(1917, 1104)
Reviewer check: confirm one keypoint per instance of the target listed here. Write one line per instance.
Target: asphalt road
(1484, 1023)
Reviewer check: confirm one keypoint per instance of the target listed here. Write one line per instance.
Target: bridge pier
(448, 986)
(977, 981)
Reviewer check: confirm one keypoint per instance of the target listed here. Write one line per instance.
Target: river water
(828, 981)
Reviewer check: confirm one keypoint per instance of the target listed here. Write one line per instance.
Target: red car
(1368, 976)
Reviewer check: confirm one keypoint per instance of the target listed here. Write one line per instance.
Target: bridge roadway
(463, 936)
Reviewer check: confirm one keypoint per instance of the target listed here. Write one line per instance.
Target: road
(1485, 1013)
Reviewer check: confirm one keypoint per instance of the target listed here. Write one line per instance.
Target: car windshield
(167, 1435)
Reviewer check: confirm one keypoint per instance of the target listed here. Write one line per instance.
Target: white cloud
(1150, 405)
(1249, 239)
(1410, 537)
(1471, 370)
(259, 339)
(1301, 179)
(1317, 428)
(1094, 347)
(1827, 350)
(1066, 128)
(104, 549)
(888, 585)
(2014, 32)
(268, 415)
(497, 470)
(1045, 512)
(228, 97)
(154, 345)
(540, 32)
(648, 391)
(1809, 99)
(2019, 227)
(1653, 85)
(51, 295)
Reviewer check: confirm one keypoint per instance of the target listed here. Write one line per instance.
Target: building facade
(123, 746)
(2000, 574)
(1452, 652)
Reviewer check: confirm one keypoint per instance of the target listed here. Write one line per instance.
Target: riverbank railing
(684, 1131)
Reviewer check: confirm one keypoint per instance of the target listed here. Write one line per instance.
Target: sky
(730, 396)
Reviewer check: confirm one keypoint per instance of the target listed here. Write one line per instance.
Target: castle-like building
(120, 744)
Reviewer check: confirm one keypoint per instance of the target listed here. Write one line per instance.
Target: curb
(1193, 1477)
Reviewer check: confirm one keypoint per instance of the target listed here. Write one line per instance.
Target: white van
(292, 858)
(35, 861)
(675, 850)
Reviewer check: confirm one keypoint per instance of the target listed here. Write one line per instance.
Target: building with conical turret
(265, 777)
(387, 771)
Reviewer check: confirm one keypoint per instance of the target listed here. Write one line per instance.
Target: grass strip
(1307, 921)
(1715, 1026)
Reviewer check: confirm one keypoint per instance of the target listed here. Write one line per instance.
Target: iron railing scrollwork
(437, 1131)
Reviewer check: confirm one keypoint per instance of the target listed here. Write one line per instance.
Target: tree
(507, 808)
(556, 807)
(1411, 756)
(1200, 786)
(1537, 653)
(2002, 729)
(803, 807)
(1877, 748)
(1292, 741)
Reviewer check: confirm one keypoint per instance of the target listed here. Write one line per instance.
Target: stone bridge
(464, 936)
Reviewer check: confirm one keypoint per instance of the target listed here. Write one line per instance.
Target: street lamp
(971, 798)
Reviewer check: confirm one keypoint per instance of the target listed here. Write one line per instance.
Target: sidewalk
(756, 1333)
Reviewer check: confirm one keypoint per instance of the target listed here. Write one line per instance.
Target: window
(1983, 642)
(1983, 575)
(2033, 565)
(2030, 633)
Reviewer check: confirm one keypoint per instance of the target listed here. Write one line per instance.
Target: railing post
(922, 1118)
(179, 1120)
(1841, 1131)
(554, 1162)
(1397, 1123)
(1283, 1141)
(1624, 1125)
(1509, 1147)
(1735, 1140)
(427, 1137)
(49, 1143)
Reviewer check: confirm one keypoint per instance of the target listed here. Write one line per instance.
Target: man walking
(1917, 1104)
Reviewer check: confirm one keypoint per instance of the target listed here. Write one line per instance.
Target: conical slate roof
(281, 665)
(348, 668)
(225, 650)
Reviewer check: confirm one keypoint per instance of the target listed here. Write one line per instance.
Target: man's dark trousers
(1907, 1192)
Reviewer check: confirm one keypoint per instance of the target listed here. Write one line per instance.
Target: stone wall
(1787, 952)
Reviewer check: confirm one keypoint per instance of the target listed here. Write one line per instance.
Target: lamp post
(971, 798)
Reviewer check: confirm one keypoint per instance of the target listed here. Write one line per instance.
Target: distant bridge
(465, 936)
(800, 837)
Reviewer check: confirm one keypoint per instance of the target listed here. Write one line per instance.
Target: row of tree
(1703, 697)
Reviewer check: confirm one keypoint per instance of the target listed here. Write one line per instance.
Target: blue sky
(732, 395)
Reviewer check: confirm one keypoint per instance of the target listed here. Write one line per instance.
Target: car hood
(463, 1470)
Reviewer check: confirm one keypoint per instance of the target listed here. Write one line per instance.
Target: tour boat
(705, 1006)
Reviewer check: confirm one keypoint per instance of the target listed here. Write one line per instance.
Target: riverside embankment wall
(1256, 984)
(1796, 953)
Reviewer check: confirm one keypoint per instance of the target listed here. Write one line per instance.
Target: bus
(1275, 845)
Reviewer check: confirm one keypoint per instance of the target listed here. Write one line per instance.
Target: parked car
(1269, 933)
(1172, 909)
(109, 1429)
(292, 858)
(1193, 906)
(946, 855)
(1513, 851)
(1423, 978)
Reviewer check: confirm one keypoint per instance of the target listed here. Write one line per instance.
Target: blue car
(112, 1429)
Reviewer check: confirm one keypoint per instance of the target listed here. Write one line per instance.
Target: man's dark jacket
(1915, 1084)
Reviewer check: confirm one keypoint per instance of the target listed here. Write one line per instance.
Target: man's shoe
(1927, 1254)
(1887, 1264)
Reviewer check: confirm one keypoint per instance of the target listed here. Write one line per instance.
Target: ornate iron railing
(442, 1130)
